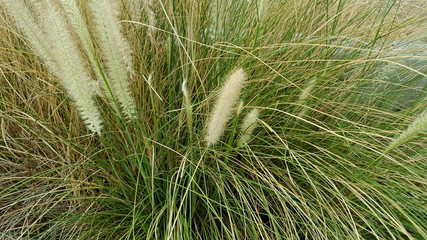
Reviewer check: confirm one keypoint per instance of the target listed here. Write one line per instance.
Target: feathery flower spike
(248, 126)
(149, 6)
(303, 97)
(116, 52)
(227, 99)
(419, 125)
(72, 72)
(76, 19)
(33, 34)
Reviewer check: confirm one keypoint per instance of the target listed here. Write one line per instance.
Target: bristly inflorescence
(248, 126)
(50, 30)
(33, 33)
(72, 72)
(76, 19)
(223, 108)
(418, 126)
(115, 51)
(61, 56)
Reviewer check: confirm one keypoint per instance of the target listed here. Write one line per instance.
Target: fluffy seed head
(419, 125)
(248, 126)
(307, 91)
(135, 8)
(184, 88)
(116, 52)
(77, 21)
(32, 32)
(263, 8)
(240, 107)
(72, 71)
(227, 98)
(303, 97)
(149, 6)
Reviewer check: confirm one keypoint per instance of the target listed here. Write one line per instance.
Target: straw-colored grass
(336, 151)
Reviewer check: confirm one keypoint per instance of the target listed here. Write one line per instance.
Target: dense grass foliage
(308, 150)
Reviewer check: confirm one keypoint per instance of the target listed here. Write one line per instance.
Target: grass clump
(328, 141)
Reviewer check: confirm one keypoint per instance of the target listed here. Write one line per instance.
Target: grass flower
(262, 9)
(419, 125)
(72, 71)
(188, 106)
(116, 53)
(223, 108)
(76, 19)
(240, 107)
(134, 7)
(184, 88)
(158, 176)
(303, 97)
(61, 55)
(33, 34)
(149, 6)
(248, 126)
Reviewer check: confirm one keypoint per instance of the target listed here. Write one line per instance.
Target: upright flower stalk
(223, 108)
(76, 19)
(73, 73)
(303, 97)
(188, 107)
(262, 9)
(248, 126)
(54, 44)
(116, 53)
(149, 6)
(32, 32)
(134, 7)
